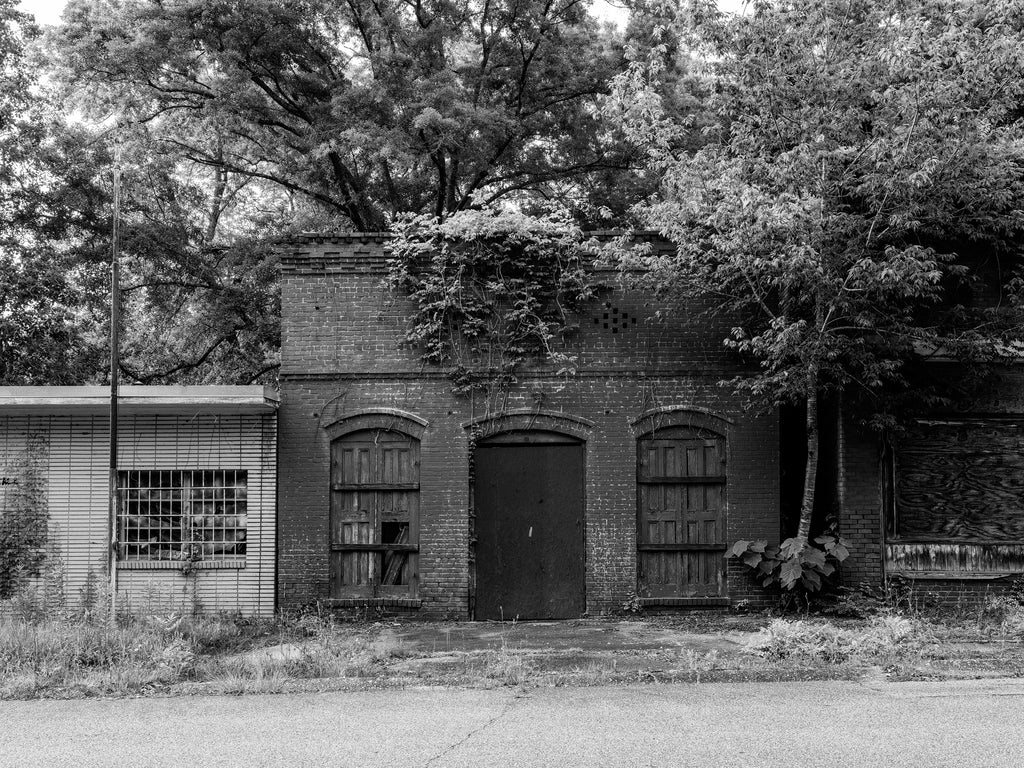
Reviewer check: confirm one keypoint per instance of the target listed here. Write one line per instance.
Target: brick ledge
(372, 602)
(684, 602)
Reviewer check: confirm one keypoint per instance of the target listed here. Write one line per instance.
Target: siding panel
(77, 498)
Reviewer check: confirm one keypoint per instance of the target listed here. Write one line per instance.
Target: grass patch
(55, 654)
(82, 655)
(881, 638)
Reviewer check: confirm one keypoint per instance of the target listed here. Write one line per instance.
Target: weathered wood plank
(961, 482)
(954, 560)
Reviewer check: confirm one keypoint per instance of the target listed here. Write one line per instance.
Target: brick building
(562, 496)
(940, 505)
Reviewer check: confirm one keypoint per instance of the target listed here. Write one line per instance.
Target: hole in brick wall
(613, 319)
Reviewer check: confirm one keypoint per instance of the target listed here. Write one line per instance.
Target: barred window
(182, 515)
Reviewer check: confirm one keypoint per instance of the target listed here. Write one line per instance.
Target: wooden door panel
(681, 513)
(374, 507)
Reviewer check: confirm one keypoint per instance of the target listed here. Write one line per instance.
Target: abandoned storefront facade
(940, 504)
(562, 496)
(197, 480)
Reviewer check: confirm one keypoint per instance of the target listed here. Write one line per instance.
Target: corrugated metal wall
(76, 455)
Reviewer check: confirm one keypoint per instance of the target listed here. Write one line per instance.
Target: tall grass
(882, 637)
(76, 655)
(85, 655)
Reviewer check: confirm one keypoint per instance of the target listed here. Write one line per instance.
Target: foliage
(236, 125)
(793, 564)
(24, 519)
(43, 330)
(863, 153)
(858, 196)
(492, 290)
(364, 110)
(884, 637)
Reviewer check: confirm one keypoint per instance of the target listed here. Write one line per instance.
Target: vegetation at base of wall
(78, 654)
(493, 289)
(888, 636)
(793, 564)
(81, 654)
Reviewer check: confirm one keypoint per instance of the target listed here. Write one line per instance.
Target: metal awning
(139, 399)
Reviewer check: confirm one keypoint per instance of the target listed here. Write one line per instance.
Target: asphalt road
(757, 724)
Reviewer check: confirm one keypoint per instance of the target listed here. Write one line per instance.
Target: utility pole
(115, 350)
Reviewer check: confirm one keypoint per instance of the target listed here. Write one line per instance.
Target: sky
(48, 11)
(45, 11)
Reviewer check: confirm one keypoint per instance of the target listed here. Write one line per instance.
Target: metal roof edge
(153, 398)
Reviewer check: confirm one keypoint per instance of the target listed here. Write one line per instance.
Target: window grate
(187, 515)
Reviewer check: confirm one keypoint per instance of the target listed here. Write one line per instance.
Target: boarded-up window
(961, 481)
(681, 513)
(195, 515)
(375, 482)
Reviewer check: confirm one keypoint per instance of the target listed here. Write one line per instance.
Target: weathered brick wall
(860, 504)
(343, 352)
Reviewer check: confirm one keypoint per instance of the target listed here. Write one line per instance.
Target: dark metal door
(529, 530)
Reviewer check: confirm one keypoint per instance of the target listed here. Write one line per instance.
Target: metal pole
(115, 345)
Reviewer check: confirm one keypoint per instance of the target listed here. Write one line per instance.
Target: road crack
(506, 708)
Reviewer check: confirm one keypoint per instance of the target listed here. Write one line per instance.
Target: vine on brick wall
(24, 516)
(492, 290)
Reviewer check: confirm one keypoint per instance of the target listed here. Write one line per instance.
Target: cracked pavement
(955, 723)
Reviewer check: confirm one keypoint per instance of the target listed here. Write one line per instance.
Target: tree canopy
(864, 172)
(364, 109)
(233, 125)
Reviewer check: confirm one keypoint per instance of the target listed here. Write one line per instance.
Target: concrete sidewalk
(585, 636)
(602, 647)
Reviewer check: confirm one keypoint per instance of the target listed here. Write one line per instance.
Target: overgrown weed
(884, 637)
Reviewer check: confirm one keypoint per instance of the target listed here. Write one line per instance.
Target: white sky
(45, 11)
(48, 11)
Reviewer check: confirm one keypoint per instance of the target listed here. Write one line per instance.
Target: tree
(365, 109)
(863, 153)
(237, 124)
(44, 315)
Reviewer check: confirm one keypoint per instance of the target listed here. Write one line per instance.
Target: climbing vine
(492, 289)
(24, 516)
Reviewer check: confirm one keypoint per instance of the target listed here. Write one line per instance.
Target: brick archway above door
(387, 419)
(523, 420)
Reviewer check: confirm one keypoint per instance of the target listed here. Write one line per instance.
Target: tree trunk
(811, 471)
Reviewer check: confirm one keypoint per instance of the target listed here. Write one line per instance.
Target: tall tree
(367, 109)
(46, 322)
(864, 153)
(237, 124)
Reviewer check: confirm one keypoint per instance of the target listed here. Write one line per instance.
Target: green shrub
(793, 564)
